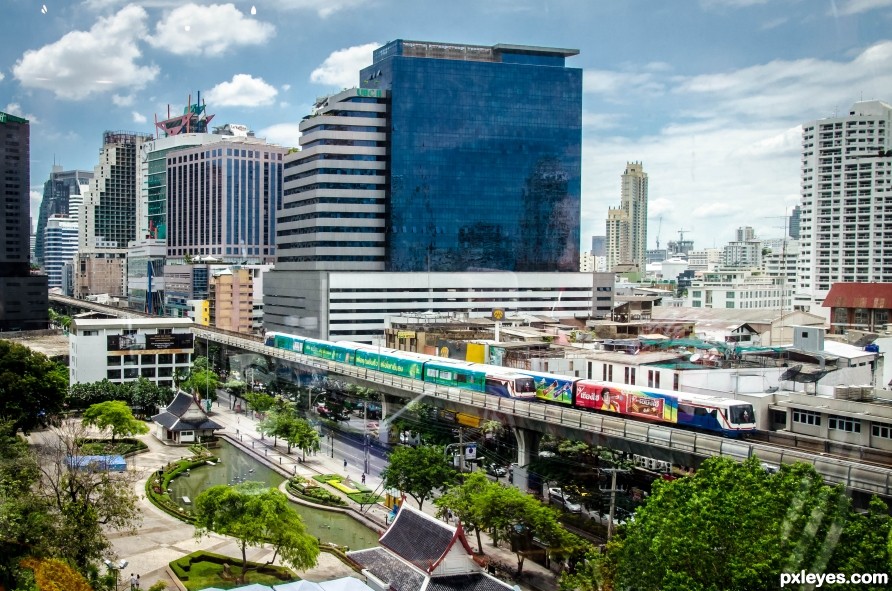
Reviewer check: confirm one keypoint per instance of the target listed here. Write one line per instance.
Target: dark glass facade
(485, 157)
(23, 296)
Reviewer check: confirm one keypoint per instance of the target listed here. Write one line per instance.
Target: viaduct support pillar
(527, 448)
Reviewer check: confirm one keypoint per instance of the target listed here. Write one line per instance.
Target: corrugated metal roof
(873, 296)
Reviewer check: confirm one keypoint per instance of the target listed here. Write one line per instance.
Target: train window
(685, 409)
(741, 414)
(699, 411)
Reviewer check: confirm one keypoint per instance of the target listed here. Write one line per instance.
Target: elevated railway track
(678, 446)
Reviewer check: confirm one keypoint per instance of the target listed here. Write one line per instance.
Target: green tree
(114, 416)
(32, 388)
(255, 515)
(732, 526)
(82, 505)
(468, 501)
(24, 520)
(260, 402)
(302, 435)
(203, 383)
(149, 396)
(418, 471)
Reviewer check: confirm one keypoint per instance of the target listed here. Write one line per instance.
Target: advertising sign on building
(169, 343)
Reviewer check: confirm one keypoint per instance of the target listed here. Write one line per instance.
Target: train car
(288, 342)
(311, 347)
(390, 361)
(727, 416)
(508, 382)
(552, 387)
(329, 351)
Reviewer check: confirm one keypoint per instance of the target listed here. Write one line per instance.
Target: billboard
(168, 343)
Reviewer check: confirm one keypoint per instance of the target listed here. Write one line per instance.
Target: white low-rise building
(125, 349)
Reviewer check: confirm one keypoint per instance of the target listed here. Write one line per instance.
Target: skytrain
(729, 417)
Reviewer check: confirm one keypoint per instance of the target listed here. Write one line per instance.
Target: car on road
(556, 496)
(496, 470)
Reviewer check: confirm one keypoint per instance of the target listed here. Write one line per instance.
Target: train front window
(741, 414)
(525, 386)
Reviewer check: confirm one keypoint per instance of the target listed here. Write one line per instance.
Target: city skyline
(710, 96)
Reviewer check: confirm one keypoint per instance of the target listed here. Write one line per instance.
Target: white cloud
(212, 30)
(729, 155)
(859, 6)
(242, 91)
(324, 8)
(286, 87)
(342, 67)
(283, 134)
(1, 76)
(83, 63)
(16, 109)
(138, 117)
(621, 84)
(122, 101)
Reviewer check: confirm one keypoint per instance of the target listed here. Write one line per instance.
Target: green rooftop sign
(4, 117)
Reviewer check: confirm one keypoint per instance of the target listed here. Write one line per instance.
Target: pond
(237, 466)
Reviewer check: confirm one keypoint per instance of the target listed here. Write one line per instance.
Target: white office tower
(846, 210)
(60, 246)
(627, 224)
(333, 210)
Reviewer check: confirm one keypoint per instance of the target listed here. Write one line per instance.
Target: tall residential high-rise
(24, 302)
(846, 202)
(62, 195)
(627, 224)
(108, 214)
(448, 158)
(107, 220)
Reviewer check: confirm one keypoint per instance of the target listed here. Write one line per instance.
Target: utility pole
(612, 490)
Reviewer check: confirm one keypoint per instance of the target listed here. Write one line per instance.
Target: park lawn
(206, 573)
(101, 447)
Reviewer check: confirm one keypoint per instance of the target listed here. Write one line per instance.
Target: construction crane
(659, 227)
(681, 235)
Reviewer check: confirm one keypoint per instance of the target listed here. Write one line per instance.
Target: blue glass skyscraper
(484, 163)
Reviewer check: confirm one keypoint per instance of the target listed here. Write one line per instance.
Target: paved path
(162, 538)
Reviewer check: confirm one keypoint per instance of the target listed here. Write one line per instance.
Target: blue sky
(709, 95)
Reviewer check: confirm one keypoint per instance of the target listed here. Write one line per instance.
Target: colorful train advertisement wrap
(553, 389)
(627, 401)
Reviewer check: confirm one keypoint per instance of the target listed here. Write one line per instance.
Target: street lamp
(116, 569)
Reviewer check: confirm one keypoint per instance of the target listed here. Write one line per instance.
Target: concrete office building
(125, 349)
(846, 209)
(354, 306)
(24, 303)
(403, 174)
(222, 201)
